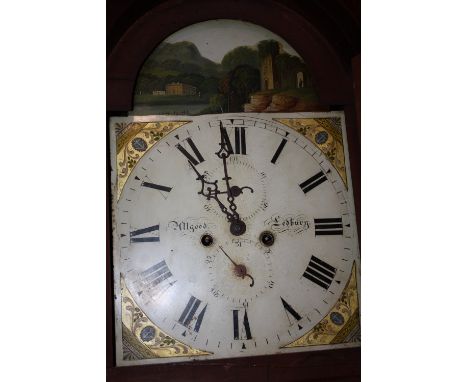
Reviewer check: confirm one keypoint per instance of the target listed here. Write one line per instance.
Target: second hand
(240, 270)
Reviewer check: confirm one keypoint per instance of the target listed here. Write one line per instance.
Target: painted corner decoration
(341, 325)
(233, 222)
(224, 66)
(326, 134)
(133, 140)
(142, 339)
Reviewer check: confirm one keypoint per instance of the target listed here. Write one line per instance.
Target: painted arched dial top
(234, 236)
(220, 66)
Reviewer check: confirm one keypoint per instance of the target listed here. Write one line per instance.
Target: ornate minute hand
(224, 152)
(237, 226)
(230, 197)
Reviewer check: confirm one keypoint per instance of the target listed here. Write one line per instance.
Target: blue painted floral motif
(337, 318)
(147, 333)
(321, 137)
(139, 144)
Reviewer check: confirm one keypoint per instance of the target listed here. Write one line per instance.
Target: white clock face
(235, 235)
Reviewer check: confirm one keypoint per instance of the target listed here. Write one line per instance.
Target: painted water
(168, 109)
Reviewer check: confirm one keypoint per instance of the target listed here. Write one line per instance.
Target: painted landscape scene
(223, 66)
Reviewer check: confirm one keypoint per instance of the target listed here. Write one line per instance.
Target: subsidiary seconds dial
(232, 262)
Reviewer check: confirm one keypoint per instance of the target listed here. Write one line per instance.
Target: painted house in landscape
(177, 88)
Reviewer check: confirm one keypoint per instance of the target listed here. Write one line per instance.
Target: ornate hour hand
(240, 270)
(226, 148)
(236, 191)
(210, 191)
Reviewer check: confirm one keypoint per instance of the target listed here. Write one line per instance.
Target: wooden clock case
(326, 33)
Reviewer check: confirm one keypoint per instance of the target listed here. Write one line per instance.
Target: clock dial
(235, 235)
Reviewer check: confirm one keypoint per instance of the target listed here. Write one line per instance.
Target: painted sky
(215, 38)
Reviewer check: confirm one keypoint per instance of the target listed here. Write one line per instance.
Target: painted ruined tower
(268, 50)
(267, 74)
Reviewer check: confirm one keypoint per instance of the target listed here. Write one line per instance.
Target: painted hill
(183, 57)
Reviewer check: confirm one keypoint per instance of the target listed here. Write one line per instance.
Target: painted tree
(237, 86)
(287, 67)
(242, 55)
(268, 47)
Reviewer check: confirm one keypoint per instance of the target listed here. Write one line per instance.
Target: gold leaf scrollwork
(340, 324)
(134, 140)
(325, 134)
(142, 339)
(137, 318)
